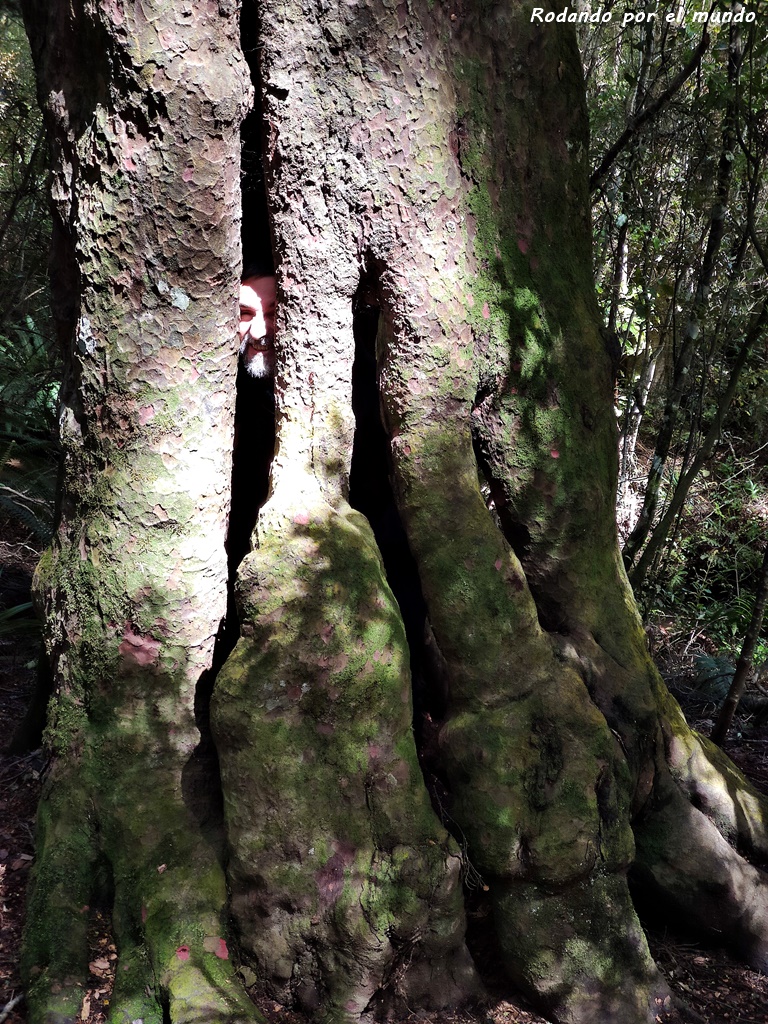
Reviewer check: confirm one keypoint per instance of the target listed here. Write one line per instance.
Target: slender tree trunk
(744, 664)
(627, 500)
(661, 532)
(699, 305)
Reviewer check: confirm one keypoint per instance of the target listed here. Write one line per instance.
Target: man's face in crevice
(257, 325)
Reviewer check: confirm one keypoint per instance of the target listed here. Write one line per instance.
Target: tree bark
(435, 160)
(143, 106)
(402, 155)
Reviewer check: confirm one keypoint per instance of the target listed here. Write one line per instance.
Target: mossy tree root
(128, 832)
(55, 955)
(701, 847)
(346, 888)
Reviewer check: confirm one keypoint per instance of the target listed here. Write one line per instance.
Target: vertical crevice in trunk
(371, 493)
(253, 449)
(251, 462)
(254, 443)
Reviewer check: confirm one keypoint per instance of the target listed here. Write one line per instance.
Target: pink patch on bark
(470, 300)
(146, 414)
(188, 173)
(222, 952)
(498, 563)
(141, 650)
(522, 245)
(486, 311)
(183, 952)
(555, 453)
(143, 915)
(301, 518)
(128, 163)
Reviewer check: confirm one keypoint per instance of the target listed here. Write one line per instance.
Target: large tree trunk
(437, 161)
(143, 109)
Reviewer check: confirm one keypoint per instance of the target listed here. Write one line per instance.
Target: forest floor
(715, 988)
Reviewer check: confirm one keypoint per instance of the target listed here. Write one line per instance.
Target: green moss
(567, 945)
(312, 718)
(133, 996)
(55, 937)
(67, 721)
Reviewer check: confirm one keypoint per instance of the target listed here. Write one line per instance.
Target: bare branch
(647, 113)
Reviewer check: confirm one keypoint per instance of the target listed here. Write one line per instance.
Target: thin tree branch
(636, 123)
(660, 533)
(10, 1005)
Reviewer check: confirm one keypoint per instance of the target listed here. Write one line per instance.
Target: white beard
(259, 364)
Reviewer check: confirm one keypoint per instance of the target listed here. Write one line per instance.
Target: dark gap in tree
(482, 939)
(29, 732)
(517, 534)
(101, 913)
(657, 913)
(371, 492)
(165, 1006)
(103, 894)
(255, 403)
(253, 450)
(697, 802)
(550, 615)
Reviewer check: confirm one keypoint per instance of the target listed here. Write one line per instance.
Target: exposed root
(686, 862)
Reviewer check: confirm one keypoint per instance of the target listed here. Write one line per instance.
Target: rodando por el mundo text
(601, 17)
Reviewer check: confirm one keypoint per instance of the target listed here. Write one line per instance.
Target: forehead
(258, 289)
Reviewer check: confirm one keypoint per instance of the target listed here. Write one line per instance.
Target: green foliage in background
(708, 575)
(688, 187)
(30, 367)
